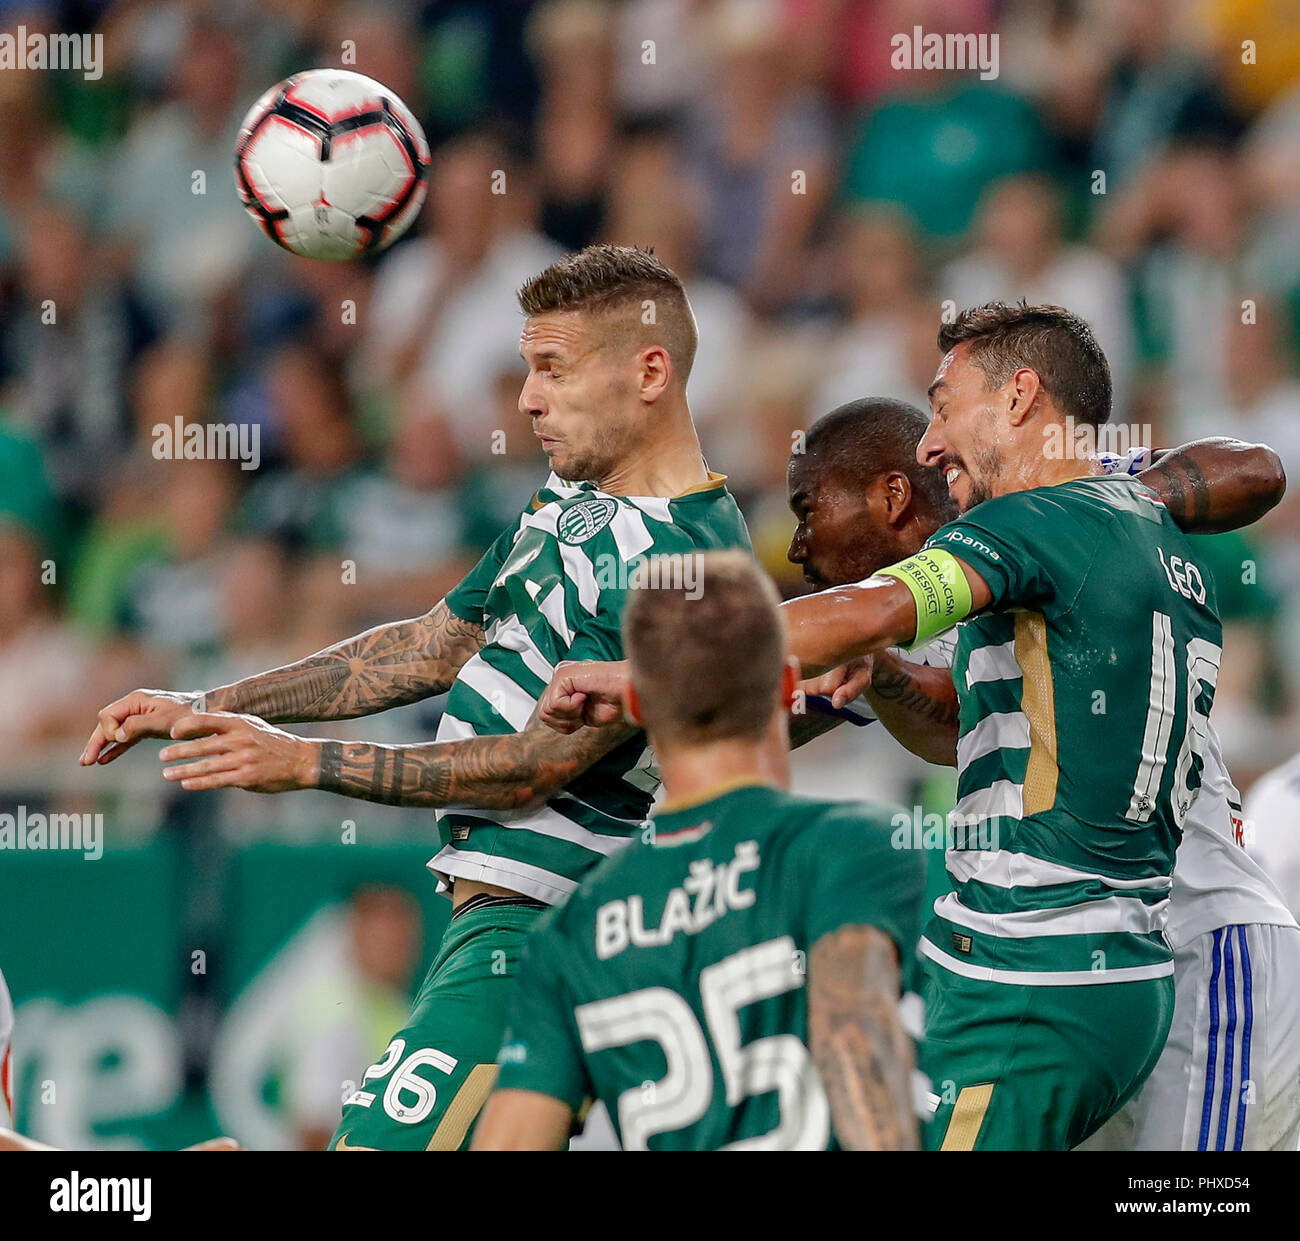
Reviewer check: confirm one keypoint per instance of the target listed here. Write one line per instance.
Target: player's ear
(656, 372)
(632, 704)
(789, 683)
(1024, 388)
(897, 496)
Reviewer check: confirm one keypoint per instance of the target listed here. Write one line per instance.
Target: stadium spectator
(653, 201)
(385, 392)
(572, 42)
(167, 196)
(1161, 90)
(67, 343)
(878, 279)
(933, 145)
(1020, 251)
(443, 322)
(761, 147)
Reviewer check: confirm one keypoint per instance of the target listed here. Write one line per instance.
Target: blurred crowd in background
(823, 208)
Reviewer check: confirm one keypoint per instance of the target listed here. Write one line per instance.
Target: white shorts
(1229, 1077)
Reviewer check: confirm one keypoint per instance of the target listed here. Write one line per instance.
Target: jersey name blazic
(707, 893)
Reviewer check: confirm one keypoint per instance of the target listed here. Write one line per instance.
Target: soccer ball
(331, 164)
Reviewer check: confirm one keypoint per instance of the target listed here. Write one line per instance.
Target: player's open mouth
(951, 474)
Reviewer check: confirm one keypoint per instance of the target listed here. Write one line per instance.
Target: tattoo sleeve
(509, 772)
(857, 1040)
(918, 705)
(1213, 485)
(387, 666)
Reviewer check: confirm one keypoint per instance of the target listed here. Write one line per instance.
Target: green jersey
(552, 588)
(1085, 692)
(671, 984)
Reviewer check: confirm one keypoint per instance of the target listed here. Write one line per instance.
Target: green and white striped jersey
(549, 589)
(1085, 693)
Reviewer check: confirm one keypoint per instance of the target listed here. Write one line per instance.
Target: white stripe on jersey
(509, 633)
(1003, 869)
(1159, 722)
(1111, 915)
(1000, 799)
(653, 506)
(513, 704)
(1003, 730)
(630, 533)
(546, 822)
(993, 663)
(452, 729)
(552, 610)
(578, 569)
(541, 885)
(1045, 978)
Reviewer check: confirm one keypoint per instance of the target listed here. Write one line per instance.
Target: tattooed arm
(857, 1039)
(509, 772)
(387, 666)
(807, 725)
(513, 771)
(1213, 485)
(917, 704)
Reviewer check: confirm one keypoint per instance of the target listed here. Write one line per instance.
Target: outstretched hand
(239, 751)
(141, 713)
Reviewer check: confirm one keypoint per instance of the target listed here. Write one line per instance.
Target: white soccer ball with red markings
(331, 164)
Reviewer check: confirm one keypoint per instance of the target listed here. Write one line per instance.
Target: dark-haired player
(732, 983)
(1229, 1075)
(1050, 990)
(523, 812)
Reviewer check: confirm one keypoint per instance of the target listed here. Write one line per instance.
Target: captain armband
(938, 586)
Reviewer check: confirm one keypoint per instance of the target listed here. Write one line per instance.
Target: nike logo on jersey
(344, 1145)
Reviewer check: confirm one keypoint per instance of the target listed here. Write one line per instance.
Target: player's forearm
(522, 1120)
(857, 1040)
(832, 627)
(515, 771)
(918, 705)
(388, 666)
(1213, 485)
(806, 726)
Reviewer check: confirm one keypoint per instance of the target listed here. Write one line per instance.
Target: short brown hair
(707, 667)
(1050, 340)
(604, 278)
